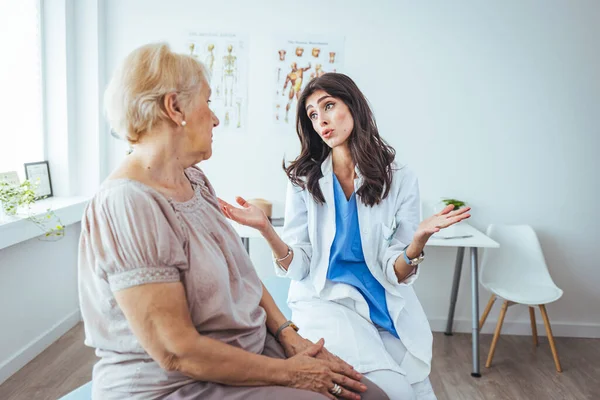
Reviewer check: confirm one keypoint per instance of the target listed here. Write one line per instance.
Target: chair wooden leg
(487, 310)
(533, 326)
(497, 334)
(550, 337)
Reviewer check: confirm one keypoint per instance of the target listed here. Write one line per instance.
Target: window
(21, 106)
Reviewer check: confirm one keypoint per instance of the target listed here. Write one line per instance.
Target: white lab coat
(338, 312)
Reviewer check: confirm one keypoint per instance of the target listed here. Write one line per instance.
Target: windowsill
(18, 229)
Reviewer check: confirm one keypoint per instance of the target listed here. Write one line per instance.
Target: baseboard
(38, 345)
(522, 328)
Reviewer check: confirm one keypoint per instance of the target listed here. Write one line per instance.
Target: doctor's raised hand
(248, 215)
(445, 218)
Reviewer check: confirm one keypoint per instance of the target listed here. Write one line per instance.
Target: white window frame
(30, 157)
(75, 131)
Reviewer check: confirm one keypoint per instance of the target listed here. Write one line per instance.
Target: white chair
(517, 273)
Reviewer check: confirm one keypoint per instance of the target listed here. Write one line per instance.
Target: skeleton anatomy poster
(298, 61)
(226, 58)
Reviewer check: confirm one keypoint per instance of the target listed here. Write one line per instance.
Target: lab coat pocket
(385, 236)
(391, 230)
(387, 233)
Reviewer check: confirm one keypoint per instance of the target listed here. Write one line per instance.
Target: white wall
(38, 297)
(493, 103)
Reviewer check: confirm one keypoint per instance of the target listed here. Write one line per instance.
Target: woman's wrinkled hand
(294, 344)
(320, 374)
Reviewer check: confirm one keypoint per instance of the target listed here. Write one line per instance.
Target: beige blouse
(133, 235)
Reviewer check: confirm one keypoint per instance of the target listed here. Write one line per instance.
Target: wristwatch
(285, 325)
(413, 261)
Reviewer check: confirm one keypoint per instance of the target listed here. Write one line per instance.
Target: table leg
(475, 312)
(246, 243)
(453, 296)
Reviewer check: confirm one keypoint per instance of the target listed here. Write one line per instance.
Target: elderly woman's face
(200, 123)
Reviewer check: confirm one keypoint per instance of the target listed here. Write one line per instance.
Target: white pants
(394, 384)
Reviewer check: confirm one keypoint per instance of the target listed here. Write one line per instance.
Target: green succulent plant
(456, 203)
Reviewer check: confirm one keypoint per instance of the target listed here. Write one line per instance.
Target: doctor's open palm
(248, 215)
(445, 218)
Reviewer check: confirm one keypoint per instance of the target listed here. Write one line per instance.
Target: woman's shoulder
(126, 189)
(123, 196)
(127, 204)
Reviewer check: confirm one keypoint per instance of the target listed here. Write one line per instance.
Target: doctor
(352, 241)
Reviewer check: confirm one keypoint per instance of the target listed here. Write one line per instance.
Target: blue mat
(279, 287)
(81, 393)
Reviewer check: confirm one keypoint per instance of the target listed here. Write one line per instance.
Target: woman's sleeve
(129, 238)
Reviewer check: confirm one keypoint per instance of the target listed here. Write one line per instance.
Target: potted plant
(15, 196)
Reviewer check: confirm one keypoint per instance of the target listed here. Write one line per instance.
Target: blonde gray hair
(134, 98)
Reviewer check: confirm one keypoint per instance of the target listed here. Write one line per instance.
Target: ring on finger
(336, 390)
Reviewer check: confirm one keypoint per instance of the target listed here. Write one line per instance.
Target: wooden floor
(518, 373)
(62, 367)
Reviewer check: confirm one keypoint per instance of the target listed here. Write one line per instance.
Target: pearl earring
(183, 123)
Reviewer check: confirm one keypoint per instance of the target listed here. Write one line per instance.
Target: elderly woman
(169, 297)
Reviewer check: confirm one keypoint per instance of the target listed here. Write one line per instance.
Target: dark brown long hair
(369, 151)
